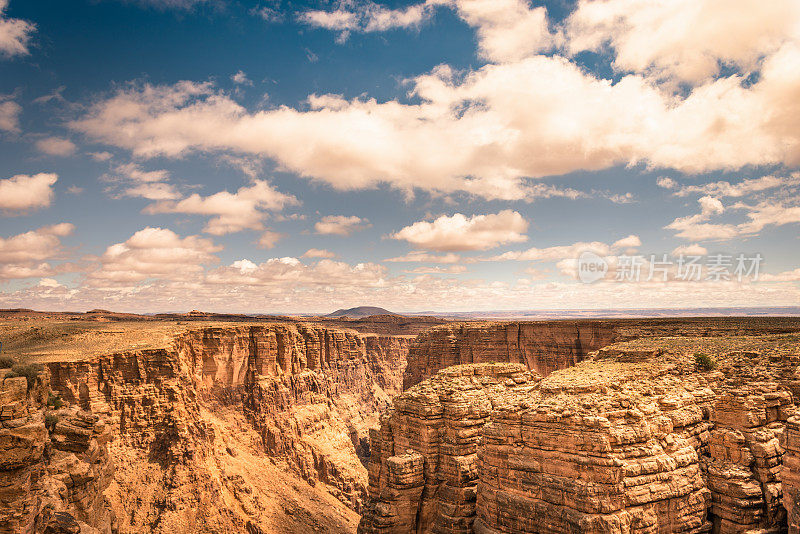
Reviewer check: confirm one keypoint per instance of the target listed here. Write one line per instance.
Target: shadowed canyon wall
(543, 346)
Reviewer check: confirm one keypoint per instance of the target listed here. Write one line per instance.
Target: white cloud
(508, 30)
(240, 78)
(710, 205)
(688, 40)
(153, 253)
(366, 16)
(230, 212)
(101, 156)
(458, 232)
(666, 182)
(690, 250)
(485, 132)
(269, 239)
(56, 146)
(25, 255)
(23, 192)
(340, 225)
(745, 187)
(319, 253)
(9, 114)
(770, 212)
(132, 181)
(14, 34)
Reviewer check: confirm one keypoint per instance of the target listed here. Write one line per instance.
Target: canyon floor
(202, 423)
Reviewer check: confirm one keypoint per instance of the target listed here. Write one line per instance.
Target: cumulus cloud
(769, 212)
(319, 253)
(14, 33)
(507, 30)
(486, 132)
(56, 146)
(26, 255)
(9, 114)
(340, 225)
(688, 40)
(269, 239)
(23, 192)
(366, 16)
(230, 212)
(153, 253)
(459, 232)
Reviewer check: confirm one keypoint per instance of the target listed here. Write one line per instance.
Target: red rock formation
(637, 439)
(543, 346)
(310, 392)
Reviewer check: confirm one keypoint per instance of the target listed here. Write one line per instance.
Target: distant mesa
(360, 311)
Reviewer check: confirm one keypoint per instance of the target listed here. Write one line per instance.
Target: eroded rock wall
(54, 466)
(309, 392)
(637, 439)
(544, 346)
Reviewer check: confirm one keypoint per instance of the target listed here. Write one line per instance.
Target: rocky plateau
(299, 426)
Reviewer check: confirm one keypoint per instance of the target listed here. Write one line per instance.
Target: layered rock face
(543, 346)
(423, 469)
(309, 392)
(54, 469)
(636, 439)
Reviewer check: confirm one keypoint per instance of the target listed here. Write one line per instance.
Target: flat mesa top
(44, 340)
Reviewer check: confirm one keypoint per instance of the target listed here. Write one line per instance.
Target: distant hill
(360, 311)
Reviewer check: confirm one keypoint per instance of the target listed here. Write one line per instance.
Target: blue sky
(437, 155)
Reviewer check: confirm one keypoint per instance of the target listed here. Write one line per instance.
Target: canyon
(219, 425)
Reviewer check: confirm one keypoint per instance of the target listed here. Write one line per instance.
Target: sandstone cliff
(635, 439)
(544, 346)
(184, 418)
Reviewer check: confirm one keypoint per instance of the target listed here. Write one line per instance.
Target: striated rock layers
(308, 392)
(636, 439)
(53, 469)
(544, 346)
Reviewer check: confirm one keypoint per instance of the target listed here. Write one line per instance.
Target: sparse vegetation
(50, 420)
(704, 361)
(54, 401)
(29, 371)
(6, 362)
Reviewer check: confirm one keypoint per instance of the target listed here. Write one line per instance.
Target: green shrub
(6, 362)
(50, 420)
(54, 401)
(30, 371)
(704, 361)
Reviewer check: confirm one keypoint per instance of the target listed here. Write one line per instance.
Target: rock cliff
(544, 346)
(176, 415)
(638, 438)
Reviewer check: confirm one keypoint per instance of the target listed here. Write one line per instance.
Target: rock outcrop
(636, 439)
(54, 465)
(309, 392)
(423, 469)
